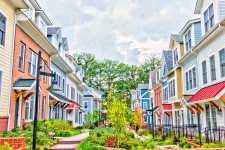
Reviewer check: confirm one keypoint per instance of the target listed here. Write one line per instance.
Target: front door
(16, 119)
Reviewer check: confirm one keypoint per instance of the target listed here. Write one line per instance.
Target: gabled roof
(53, 30)
(177, 37)
(45, 17)
(168, 59)
(61, 97)
(188, 24)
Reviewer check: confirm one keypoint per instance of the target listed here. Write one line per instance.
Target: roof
(143, 86)
(61, 97)
(24, 82)
(167, 106)
(168, 59)
(53, 30)
(73, 105)
(188, 24)
(208, 92)
(177, 37)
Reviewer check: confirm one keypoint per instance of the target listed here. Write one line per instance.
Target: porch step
(69, 142)
(64, 147)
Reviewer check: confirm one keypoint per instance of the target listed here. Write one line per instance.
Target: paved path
(69, 143)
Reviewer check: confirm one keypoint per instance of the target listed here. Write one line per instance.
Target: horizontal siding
(211, 48)
(198, 32)
(6, 56)
(191, 62)
(221, 9)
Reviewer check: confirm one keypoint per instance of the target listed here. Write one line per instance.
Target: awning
(167, 107)
(212, 92)
(73, 105)
(25, 84)
(154, 108)
(61, 98)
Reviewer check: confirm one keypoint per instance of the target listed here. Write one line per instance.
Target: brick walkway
(69, 143)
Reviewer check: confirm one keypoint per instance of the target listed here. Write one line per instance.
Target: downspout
(12, 56)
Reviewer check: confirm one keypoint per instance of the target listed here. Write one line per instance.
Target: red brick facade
(15, 143)
(21, 36)
(3, 123)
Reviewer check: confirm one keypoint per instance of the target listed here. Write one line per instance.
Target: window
(68, 90)
(85, 105)
(145, 105)
(190, 117)
(194, 77)
(188, 40)
(29, 114)
(165, 94)
(63, 85)
(212, 68)
(32, 63)
(43, 108)
(76, 115)
(204, 72)
(2, 29)
(45, 70)
(213, 113)
(58, 80)
(208, 122)
(211, 120)
(1, 84)
(177, 117)
(175, 56)
(222, 62)
(157, 75)
(79, 99)
(172, 88)
(72, 93)
(209, 18)
(21, 56)
(190, 77)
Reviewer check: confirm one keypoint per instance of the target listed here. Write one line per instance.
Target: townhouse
(92, 101)
(208, 101)
(141, 98)
(8, 12)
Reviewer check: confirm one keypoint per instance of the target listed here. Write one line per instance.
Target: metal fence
(193, 132)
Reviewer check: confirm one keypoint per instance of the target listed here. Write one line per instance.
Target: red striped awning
(167, 106)
(208, 92)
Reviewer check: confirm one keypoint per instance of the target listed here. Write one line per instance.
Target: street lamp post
(51, 88)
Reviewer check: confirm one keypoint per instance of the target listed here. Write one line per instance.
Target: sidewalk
(69, 143)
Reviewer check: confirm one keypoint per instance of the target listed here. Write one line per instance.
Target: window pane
(187, 82)
(194, 77)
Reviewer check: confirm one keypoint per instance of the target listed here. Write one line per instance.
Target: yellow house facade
(7, 31)
(174, 78)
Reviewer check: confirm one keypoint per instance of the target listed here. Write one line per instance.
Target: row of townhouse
(189, 86)
(24, 30)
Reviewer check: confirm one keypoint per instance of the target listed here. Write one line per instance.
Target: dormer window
(188, 40)
(2, 29)
(175, 56)
(209, 18)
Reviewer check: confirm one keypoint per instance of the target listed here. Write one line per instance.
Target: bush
(6, 146)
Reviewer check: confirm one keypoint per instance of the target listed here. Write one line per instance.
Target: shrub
(6, 146)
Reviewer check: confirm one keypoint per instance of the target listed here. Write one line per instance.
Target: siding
(211, 48)
(191, 62)
(6, 56)
(145, 94)
(221, 9)
(90, 104)
(197, 32)
(179, 82)
(62, 74)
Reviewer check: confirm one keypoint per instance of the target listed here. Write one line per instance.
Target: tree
(117, 113)
(90, 118)
(138, 119)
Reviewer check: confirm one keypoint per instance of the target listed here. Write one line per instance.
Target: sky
(129, 31)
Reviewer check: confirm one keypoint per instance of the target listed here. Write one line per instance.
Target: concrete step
(69, 142)
(64, 147)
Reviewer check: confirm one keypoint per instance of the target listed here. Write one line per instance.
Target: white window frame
(209, 19)
(29, 112)
(187, 78)
(3, 46)
(145, 103)
(44, 98)
(33, 70)
(174, 58)
(204, 73)
(74, 98)
(63, 85)
(45, 70)
(24, 49)
(171, 89)
(166, 100)
(68, 90)
(188, 40)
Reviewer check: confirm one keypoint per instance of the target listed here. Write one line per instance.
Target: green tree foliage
(105, 74)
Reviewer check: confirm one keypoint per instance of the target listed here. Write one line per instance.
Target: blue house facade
(145, 101)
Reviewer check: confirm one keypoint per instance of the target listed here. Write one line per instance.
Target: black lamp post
(51, 88)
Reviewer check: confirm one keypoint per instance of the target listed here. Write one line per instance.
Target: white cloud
(125, 30)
